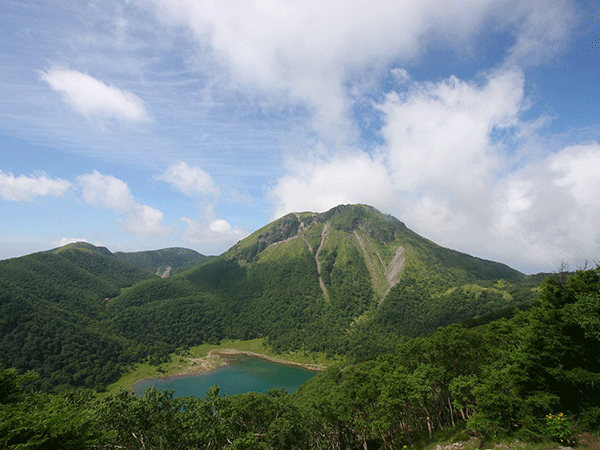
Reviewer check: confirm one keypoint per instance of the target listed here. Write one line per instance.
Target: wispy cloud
(26, 188)
(306, 53)
(94, 99)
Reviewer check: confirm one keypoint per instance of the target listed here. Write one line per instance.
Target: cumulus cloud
(189, 180)
(214, 236)
(26, 188)
(444, 170)
(308, 51)
(441, 131)
(323, 183)
(438, 148)
(145, 220)
(548, 211)
(108, 192)
(94, 99)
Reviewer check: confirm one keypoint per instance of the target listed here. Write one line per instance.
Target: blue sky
(145, 124)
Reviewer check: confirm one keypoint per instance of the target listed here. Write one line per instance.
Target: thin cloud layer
(94, 99)
(26, 188)
(108, 192)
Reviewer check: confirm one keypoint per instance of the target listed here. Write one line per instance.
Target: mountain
(350, 281)
(164, 262)
(50, 305)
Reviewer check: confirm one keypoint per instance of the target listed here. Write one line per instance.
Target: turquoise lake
(241, 374)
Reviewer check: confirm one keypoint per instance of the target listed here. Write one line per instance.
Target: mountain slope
(349, 281)
(164, 262)
(50, 306)
(323, 282)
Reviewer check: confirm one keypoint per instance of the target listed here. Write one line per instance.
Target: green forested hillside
(534, 377)
(351, 281)
(51, 304)
(164, 262)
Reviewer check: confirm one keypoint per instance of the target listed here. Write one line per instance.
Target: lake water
(241, 374)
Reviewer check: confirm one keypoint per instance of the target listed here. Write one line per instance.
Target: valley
(349, 282)
(414, 339)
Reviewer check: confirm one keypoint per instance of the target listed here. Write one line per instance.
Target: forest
(81, 316)
(533, 374)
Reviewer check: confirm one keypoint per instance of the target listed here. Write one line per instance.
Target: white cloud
(220, 226)
(144, 220)
(438, 152)
(94, 99)
(108, 192)
(324, 183)
(440, 132)
(549, 211)
(64, 241)
(307, 52)
(542, 27)
(25, 188)
(445, 172)
(578, 169)
(215, 236)
(401, 75)
(190, 180)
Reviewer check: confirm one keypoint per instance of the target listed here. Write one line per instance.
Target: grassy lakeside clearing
(205, 357)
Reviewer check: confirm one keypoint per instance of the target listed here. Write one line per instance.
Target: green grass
(180, 361)
(294, 248)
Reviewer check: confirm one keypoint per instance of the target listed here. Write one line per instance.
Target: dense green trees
(534, 375)
(66, 421)
(79, 315)
(51, 304)
(157, 261)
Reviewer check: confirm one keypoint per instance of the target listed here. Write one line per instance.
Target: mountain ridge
(384, 265)
(350, 281)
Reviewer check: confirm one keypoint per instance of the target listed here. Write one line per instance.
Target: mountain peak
(346, 218)
(82, 245)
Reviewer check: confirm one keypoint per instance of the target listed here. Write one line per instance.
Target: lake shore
(217, 358)
(204, 358)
